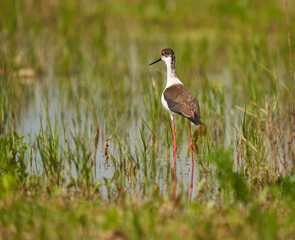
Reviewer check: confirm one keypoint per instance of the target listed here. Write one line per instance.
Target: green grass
(69, 216)
(74, 74)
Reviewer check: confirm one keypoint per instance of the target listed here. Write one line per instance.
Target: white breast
(171, 80)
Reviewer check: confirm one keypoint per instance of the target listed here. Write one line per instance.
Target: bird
(178, 100)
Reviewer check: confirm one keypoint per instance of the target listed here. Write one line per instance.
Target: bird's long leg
(174, 163)
(175, 147)
(191, 144)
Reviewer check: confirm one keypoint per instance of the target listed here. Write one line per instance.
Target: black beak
(156, 61)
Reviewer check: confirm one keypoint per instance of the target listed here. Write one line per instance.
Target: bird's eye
(162, 53)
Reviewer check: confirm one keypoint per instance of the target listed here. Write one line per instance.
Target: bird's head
(167, 56)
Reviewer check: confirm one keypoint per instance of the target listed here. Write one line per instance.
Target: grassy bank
(65, 216)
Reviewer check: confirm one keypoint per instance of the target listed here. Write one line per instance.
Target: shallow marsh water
(62, 113)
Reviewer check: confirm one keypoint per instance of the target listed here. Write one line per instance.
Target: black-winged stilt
(178, 100)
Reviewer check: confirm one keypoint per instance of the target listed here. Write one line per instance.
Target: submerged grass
(75, 86)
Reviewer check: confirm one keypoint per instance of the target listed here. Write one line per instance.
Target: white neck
(171, 75)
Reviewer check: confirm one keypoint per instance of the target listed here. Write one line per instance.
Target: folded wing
(181, 100)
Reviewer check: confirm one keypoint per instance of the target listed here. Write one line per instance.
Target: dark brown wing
(182, 101)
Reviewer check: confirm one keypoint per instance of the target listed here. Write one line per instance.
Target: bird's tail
(196, 121)
(203, 124)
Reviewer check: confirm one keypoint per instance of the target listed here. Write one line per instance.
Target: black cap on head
(167, 52)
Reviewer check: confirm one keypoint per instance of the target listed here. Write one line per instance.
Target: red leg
(174, 163)
(175, 147)
(191, 144)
